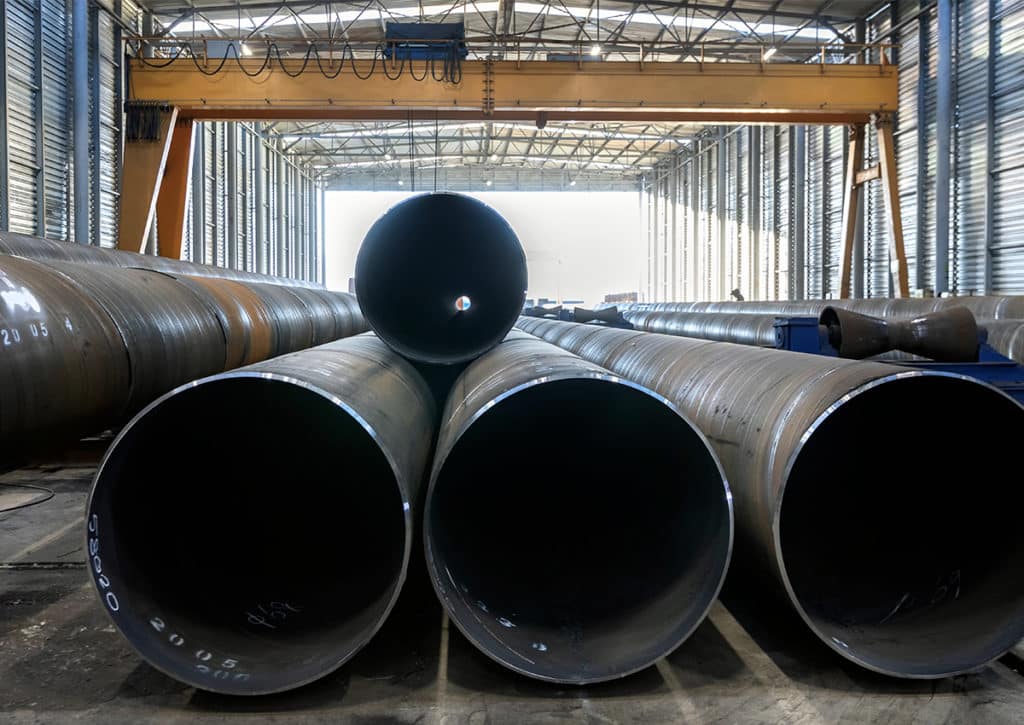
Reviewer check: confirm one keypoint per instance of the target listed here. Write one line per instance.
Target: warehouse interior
(490, 361)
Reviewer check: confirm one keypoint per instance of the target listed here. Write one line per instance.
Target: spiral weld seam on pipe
(118, 337)
(919, 597)
(304, 600)
(529, 600)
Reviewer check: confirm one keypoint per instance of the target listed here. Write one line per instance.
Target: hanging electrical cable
(445, 68)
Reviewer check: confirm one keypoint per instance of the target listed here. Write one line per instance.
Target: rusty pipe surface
(543, 559)
(441, 278)
(269, 556)
(893, 560)
(82, 347)
(46, 250)
(172, 335)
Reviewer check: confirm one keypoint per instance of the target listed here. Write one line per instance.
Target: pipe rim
(438, 465)
(780, 497)
(407, 517)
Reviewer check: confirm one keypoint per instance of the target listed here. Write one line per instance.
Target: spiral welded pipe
(542, 560)
(211, 574)
(892, 559)
(45, 250)
(993, 307)
(441, 278)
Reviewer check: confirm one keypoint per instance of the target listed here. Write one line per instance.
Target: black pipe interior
(260, 523)
(581, 530)
(900, 527)
(441, 277)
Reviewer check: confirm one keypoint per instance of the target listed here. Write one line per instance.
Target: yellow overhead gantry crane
(156, 174)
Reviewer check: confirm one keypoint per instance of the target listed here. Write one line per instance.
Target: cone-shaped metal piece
(950, 335)
(607, 314)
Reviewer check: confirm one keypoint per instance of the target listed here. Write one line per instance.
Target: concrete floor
(62, 661)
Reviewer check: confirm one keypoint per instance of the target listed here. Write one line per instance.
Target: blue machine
(425, 41)
(804, 334)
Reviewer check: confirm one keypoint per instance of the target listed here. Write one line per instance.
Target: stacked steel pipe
(590, 553)
(892, 559)
(753, 323)
(539, 559)
(213, 575)
(83, 346)
(994, 307)
(442, 278)
(47, 250)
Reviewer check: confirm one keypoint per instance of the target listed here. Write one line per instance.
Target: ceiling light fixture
(595, 49)
(770, 52)
(387, 157)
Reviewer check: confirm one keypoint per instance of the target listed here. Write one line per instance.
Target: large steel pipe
(894, 540)
(441, 278)
(738, 328)
(600, 544)
(759, 329)
(996, 307)
(248, 322)
(1007, 337)
(267, 556)
(293, 324)
(63, 364)
(172, 335)
(48, 250)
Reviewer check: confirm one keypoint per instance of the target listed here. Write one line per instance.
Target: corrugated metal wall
(36, 150)
(986, 252)
(226, 216)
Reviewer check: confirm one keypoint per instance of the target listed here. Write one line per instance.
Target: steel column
(721, 181)
(754, 210)
(990, 143)
(322, 245)
(921, 115)
(172, 197)
(4, 161)
(231, 164)
(96, 59)
(198, 251)
(40, 149)
(653, 237)
(695, 256)
(260, 193)
(944, 145)
(799, 272)
(80, 123)
(281, 212)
